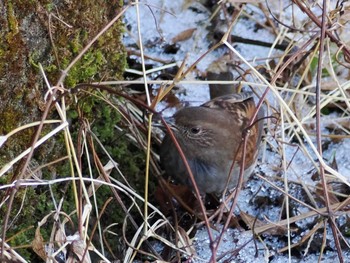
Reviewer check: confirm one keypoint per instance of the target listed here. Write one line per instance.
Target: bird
(210, 137)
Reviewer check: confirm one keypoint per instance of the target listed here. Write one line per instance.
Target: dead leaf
(38, 244)
(307, 236)
(176, 196)
(95, 185)
(332, 197)
(185, 242)
(184, 35)
(255, 224)
(79, 247)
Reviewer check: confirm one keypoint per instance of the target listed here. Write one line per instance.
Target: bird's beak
(169, 121)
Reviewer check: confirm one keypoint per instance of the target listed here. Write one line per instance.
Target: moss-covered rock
(52, 33)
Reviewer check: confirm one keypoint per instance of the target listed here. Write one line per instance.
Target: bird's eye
(195, 130)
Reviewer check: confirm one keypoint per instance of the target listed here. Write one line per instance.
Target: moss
(7, 118)
(86, 69)
(50, 7)
(76, 44)
(24, 82)
(24, 43)
(33, 203)
(12, 22)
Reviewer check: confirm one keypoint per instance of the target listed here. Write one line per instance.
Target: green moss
(2, 52)
(50, 7)
(33, 204)
(76, 44)
(23, 88)
(86, 68)
(8, 120)
(12, 22)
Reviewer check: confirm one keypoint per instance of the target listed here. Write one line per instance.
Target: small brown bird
(210, 137)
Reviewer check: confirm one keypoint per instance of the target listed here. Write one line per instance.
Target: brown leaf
(38, 244)
(79, 248)
(332, 197)
(306, 236)
(253, 223)
(234, 221)
(171, 195)
(184, 35)
(185, 242)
